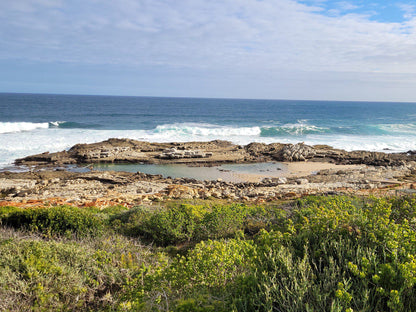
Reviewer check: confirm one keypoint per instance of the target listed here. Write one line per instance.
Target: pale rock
(282, 180)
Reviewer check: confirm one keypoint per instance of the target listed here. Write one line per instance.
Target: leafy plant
(60, 220)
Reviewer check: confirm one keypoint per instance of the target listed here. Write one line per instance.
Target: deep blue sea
(34, 123)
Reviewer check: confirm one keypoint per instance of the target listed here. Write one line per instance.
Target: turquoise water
(35, 123)
(228, 173)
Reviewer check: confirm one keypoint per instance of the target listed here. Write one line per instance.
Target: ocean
(35, 123)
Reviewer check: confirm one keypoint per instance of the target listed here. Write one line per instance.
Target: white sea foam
(299, 129)
(205, 130)
(292, 129)
(409, 128)
(56, 123)
(200, 130)
(376, 143)
(10, 127)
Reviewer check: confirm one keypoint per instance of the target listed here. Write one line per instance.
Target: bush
(316, 254)
(6, 210)
(61, 220)
(338, 254)
(86, 274)
(222, 221)
(187, 223)
(201, 280)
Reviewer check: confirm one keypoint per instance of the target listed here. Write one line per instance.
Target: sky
(273, 49)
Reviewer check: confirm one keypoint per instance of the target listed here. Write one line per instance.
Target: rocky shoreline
(208, 153)
(46, 183)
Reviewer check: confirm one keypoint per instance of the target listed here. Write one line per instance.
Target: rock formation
(208, 153)
(48, 183)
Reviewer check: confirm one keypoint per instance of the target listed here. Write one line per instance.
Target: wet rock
(302, 181)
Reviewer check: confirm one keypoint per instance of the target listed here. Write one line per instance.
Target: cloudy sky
(280, 49)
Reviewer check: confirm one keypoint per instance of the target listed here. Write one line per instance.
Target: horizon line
(207, 98)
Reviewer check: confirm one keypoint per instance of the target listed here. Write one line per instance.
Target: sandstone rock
(295, 152)
(173, 153)
(181, 191)
(128, 188)
(208, 153)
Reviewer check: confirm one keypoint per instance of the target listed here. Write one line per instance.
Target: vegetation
(314, 254)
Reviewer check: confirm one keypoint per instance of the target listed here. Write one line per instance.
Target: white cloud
(408, 10)
(347, 6)
(241, 36)
(341, 8)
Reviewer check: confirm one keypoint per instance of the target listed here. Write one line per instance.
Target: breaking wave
(205, 130)
(209, 130)
(72, 125)
(293, 130)
(19, 139)
(11, 127)
(409, 128)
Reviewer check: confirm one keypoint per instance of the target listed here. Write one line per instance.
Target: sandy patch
(302, 169)
(249, 177)
(290, 170)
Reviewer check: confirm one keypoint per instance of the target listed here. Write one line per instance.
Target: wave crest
(199, 130)
(11, 127)
(71, 125)
(205, 130)
(409, 128)
(292, 130)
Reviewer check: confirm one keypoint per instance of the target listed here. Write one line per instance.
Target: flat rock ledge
(112, 188)
(208, 153)
(376, 173)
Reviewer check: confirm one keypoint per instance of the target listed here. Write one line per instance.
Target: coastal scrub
(313, 254)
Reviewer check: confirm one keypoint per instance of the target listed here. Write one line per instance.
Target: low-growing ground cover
(313, 254)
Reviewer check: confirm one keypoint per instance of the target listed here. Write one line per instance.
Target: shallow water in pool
(227, 172)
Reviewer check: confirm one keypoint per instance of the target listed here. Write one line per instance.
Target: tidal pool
(228, 172)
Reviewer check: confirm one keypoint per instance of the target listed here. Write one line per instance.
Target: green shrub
(337, 254)
(88, 274)
(404, 208)
(175, 225)
(202, 280)
(314, 254)
(6, 210)
(212, 264)
(188, 223)
(201, 303)
(61, 220)
(221, 221)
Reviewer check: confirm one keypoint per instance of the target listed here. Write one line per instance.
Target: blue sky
(380, 11)
(311, 49)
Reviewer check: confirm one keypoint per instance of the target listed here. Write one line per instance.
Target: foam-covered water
(32, 124)
(10, 127)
